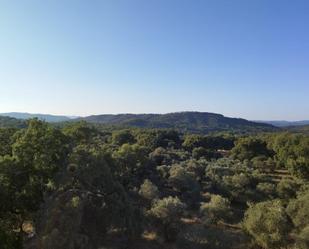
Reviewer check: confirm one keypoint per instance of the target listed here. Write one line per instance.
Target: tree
(87, 204)
(193, 141)
(293, 148)
(268, 190)
(238, 186)
(6, 141)
(148, 190)
(160, 156)
(248, 148)
(210, 142)
(197, 168)
(37, 153)
(298, 211)
(83, 133)
(201, 152)
(180, 179)
(158, 138)
(268, 223)
(167, 213)
(123, 137)
(299, 167)
(218, 209)
(287, 188)
(185, 183)
(131, 162)
(40, 148)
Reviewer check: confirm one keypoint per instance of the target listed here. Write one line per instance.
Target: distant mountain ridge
(284, 123)
(200, 122)
(45, 117)
(195, 122)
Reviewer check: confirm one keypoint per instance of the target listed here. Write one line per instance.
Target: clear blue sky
(241, 58)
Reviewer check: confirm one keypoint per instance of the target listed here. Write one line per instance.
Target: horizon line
(154, 113)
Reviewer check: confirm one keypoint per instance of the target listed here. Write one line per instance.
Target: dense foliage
(80, 186)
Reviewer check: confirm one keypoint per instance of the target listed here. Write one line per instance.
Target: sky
(240, 58)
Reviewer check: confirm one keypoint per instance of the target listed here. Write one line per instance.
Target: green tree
(123, 137)
(217, 209)
(287, 188)
(148, 190)
(131, 162)
(38, 153)
(268, 223)
(201, 152)
(167, 213)
(268, 190)
(193, 141)
(82, 133)
(298, 211)
(299, 167)
(248, 148)
(88, 203)
(185, 183)
(6, 141)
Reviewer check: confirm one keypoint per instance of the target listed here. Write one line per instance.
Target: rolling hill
(11, 122)
(199, 122)
(299, 129)
(195, 122)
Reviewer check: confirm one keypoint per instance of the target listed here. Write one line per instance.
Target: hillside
(299, 129)
(45, 117)
(11, 122)
(202, 122)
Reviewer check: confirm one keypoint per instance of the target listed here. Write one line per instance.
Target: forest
(84, 186)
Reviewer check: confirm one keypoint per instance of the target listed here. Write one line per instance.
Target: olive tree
(217, 209)
(268, 223)
(298, 210)
(166, 213)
